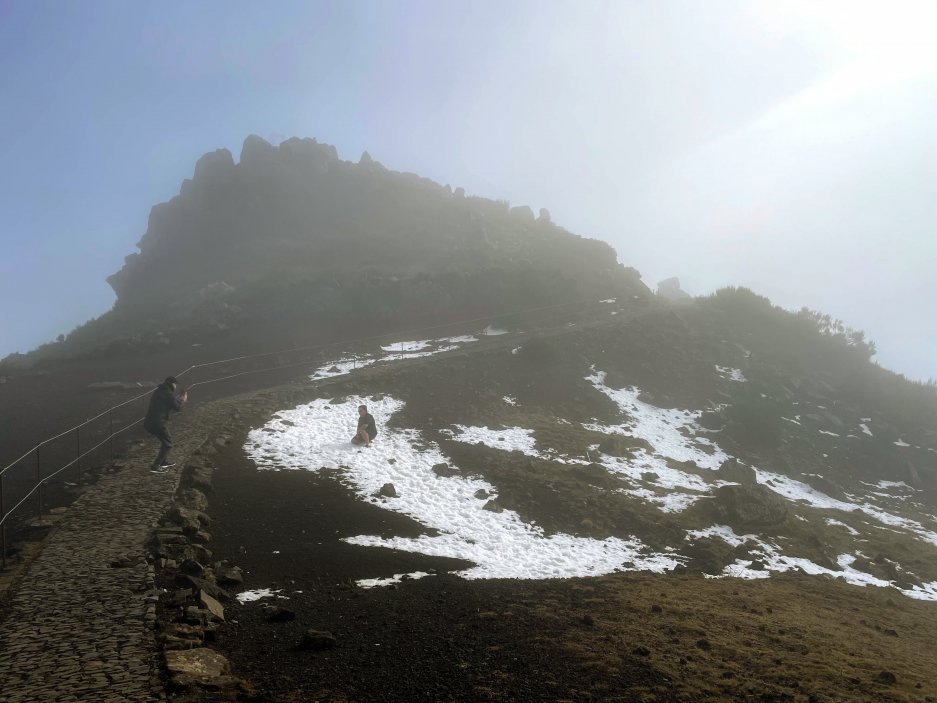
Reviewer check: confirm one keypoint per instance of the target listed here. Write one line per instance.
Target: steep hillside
(720, 501)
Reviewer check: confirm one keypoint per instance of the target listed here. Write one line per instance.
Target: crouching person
(366, 427)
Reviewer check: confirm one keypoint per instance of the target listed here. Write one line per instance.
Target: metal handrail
(357, 340)
(6, 514)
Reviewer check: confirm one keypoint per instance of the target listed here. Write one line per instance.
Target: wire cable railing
(111, 434)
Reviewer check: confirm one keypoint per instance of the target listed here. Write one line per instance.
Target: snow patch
(730, 373)
(396, 578)
(258, 593)
(501, 545)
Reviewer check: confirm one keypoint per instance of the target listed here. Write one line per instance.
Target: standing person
(162, 404)
(367, 430)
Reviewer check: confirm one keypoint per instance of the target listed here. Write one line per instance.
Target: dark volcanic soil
(440, 638)
(628, 637)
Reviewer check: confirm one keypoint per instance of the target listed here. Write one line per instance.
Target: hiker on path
(367, 430)
(162, 404)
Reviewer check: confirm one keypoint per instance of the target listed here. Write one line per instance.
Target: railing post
(3, 528)
(39, 482)
(78, 452)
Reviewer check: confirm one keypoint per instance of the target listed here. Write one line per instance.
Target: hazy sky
(790, 147)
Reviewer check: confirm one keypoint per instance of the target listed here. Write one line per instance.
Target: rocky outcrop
(751, 506)
(670, 289)
(296, 211)
(736, 471)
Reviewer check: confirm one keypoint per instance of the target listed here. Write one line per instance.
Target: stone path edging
(82, 612)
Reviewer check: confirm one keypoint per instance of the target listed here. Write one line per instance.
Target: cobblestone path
(78, 629)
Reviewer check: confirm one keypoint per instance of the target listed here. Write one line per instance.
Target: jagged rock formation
(297, 212)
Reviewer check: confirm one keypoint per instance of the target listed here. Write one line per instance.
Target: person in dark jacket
(162, 404)
(367, 430)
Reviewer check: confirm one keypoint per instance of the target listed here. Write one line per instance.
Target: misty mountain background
(781, 147)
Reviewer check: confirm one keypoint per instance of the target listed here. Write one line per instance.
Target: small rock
(482, 494)
(211, 605)
(656, 609)
(228, 574)
(493, 506)
(443, 470)
(200, 665)
(277, 613)
(886, 677)
(317, 640)
(388, 491)
(704, 644)
(641, 652)
(588, 620)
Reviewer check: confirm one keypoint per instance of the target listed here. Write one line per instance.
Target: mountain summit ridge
(297, 211)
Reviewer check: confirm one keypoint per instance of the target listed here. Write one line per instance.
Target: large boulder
(753, 505)
(737, 472)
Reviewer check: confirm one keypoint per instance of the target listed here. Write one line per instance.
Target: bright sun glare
(887, 41)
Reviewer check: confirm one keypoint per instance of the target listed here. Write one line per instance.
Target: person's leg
(165, 445)
(365, 440)
(357, 439)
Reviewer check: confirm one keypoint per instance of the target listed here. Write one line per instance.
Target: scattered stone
(317, 640)
(388, 491)
(211, 605)
(886, 677)
(482, 494)
(277, 613)
(750, 505)
(199, 584)
(228, 574)
(192, 498)
(493, 506)
(656, 609)
(443, 470)
(736, 471)
(703, 644)
(588, 620)
(200, 666)
(641, 651)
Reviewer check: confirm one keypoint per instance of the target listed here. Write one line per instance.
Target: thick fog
(785, 146)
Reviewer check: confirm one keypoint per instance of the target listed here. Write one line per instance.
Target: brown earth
(626, 637)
